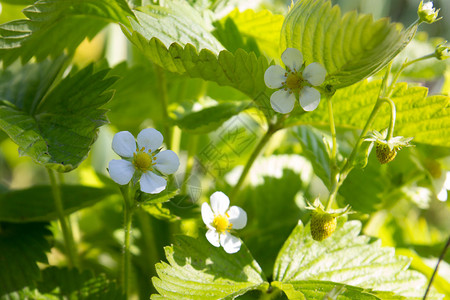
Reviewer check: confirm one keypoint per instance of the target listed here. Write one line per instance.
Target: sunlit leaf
(351, 47)
(55, 127)
(347, 258)
(198, 270)
(53, 26)
(426, 118)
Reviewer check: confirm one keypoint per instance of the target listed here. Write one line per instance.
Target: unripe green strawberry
(322, 225)
(384, 154)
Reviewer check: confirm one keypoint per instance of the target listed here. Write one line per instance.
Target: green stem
(164, 99)
(127, 220)
(392, 119)
(65, 225)
(270, 131)
(403, 67)
(333, 165)
(441, 257)
(191, 149)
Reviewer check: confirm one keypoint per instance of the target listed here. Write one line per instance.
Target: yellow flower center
(294, 81)
(221, 223)
(143, 161)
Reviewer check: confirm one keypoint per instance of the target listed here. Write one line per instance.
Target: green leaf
(241, 70)
(65, 283)
(55, 127)
(347, 258)
(210, 118)
(260, 232)
(151, 199)
(21, 247)
(54, 26)
(350, 48)
(426, 118)
(262, 26)
(198, 270)
(36, 204)
(320, 290)
(315, 150)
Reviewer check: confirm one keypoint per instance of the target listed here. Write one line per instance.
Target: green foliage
(210, 118)
(241, 70)
(347, 258)
(55, 125)
(262, 27)
(423, 117)
(316, 151)
(198, 270)
(262, 236)
(350, 48)
(323, 290)
(21, 247)
(57, 283)
(36, 204)
(63, 25)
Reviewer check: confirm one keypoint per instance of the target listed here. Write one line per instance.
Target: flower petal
(167, 162)
(237, 216)
(150, 138)
(152, 183)
(213, 237)
(309, 98)
(282, 101)
(124, 144)
(292, 58)
(219, 203)
(314, 73)
(121, 171)
(207, 214)
(275, 76)
(230, 243)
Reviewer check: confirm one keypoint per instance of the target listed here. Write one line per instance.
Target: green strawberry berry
(322, 225)
(384, 154)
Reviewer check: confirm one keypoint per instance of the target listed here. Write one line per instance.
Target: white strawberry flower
(220, 220)
(145, 159)
(295, 80)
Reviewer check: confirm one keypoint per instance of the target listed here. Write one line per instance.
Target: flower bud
(442, 52)
(427, 13)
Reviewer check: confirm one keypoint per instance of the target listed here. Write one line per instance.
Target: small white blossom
(427, 13)
(143, 159)
(220, 220)
(295, 80)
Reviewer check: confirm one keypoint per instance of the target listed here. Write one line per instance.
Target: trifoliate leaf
(347, 258)
(426, 118)
(53, 26)
(36, 204)
(198, 270)
(351, 47)
(56, 127)
(210, 118)
(21, 247)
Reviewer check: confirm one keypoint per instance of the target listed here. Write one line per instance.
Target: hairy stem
(392, 119)
(441, 257)
(127, 220)
(63, 221)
